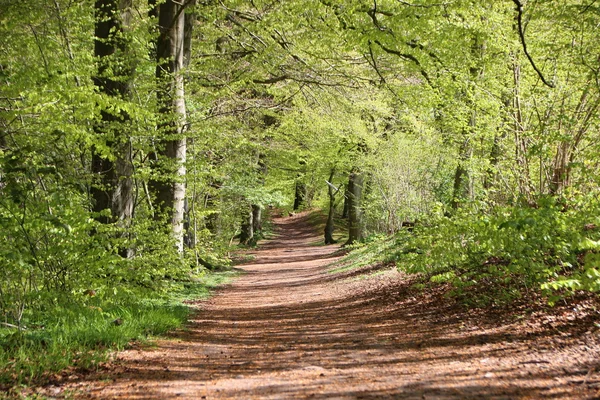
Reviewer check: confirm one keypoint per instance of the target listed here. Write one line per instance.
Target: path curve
(288, 329)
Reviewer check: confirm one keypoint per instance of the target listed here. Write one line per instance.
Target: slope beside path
(288, 329)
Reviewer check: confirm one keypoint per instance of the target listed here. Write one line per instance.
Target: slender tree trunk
(257, 208)
(460, 189)
(526, 188)
(329, 226)
(463, 182)
(113, 186)
(300, 189)
(4, 148)
(300, 195)
(355, 223)
(211, 221)
(346, 204)
(256, 219)
(170, 188)
(491, 175)
(566, 149)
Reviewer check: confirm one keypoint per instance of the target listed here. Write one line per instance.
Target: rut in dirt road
(288, 329)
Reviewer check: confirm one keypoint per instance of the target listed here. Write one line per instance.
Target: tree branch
(409, 57)
(375, 63)
(522, 37)
(405, 3)
(269, 81)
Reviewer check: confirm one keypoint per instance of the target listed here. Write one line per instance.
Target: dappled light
(410, 190)
(291, 329)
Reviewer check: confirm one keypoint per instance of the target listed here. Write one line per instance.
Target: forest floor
(289, 329)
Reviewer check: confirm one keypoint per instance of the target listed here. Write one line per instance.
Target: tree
(332, 191)
(112, 159)
(170, 158)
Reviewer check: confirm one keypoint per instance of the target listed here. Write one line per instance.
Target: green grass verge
(80, 336)
(375, 249)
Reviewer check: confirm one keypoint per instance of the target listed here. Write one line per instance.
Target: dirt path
(287, 329)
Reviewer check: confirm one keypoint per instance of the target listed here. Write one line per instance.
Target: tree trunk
(491, 175)
(300, 195)
(526, 188)
(247, 234)
(355, 223)
(113, 187)
(170, 189)
(463, 182)
(329, 226)
(460, 189)
(256, 219)
(346, 204)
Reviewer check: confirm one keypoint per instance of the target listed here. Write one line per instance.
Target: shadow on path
(288, 329)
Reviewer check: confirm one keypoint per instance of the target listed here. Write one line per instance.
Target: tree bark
(329, 226)
(346, 204)
(247, 234)
(521, 151)
(113, 187)
(170, 189)
(463, 182)
(300, 195)
(256, 219)
(355, 223)
(460, 189)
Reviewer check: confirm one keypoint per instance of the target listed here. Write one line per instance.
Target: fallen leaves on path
(288, 329)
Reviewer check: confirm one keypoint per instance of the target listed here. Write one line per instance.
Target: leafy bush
(494, 255)
(509, 250)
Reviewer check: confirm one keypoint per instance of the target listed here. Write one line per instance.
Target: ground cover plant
(79, 336)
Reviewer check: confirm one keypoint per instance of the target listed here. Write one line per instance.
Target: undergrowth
(496, 255)
(82, 335)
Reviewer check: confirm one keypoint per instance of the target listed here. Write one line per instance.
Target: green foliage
(374, 249)
(436, 105)
(495, 255)
(507, 251)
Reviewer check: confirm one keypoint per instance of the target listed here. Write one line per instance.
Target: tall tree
(355, 215)
(112, 157)
(170, 158)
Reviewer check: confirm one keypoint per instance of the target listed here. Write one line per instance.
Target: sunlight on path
(287, 329)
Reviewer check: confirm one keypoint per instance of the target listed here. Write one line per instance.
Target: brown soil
(288, 329)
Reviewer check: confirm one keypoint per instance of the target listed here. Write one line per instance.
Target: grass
(375, 249)
(81, 336)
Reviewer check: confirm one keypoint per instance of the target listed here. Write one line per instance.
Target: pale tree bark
(113, 187)
(566, 150)
(170, 188)
(247, 234)
(329, 226)
(256, 218)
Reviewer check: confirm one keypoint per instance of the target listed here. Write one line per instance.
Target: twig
(405, 3)
(21, 328)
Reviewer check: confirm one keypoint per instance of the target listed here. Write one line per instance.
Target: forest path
(288, 329)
